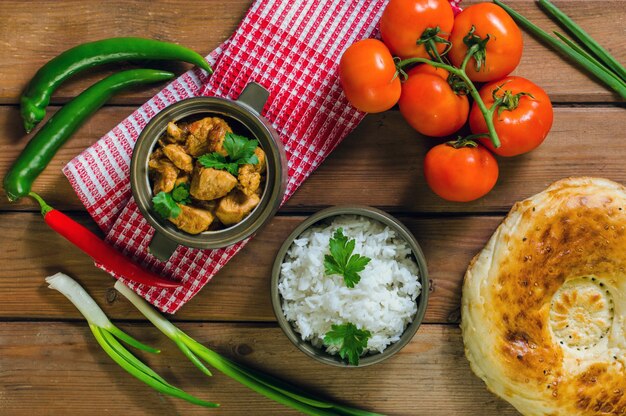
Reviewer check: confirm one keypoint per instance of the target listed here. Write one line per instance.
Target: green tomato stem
(433, 46)
(430, 38)
(468, 56)
(460, 72)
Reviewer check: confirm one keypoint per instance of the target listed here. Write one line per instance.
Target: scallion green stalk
(607, 77)
(585, 39)
(264, 384)
(107, 336)
(582, 51)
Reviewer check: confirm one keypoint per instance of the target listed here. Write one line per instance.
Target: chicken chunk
(207, 135)
(235, 206)
(260, 154)
(217, 136)
(157, 154)
(175, 134)
(249, 180)
(192, 220)
(207, 205)
(249, 176)
(166, 174)
(209, 183)
(179, 158)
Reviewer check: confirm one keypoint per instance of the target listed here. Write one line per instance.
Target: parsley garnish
(216, 161)
(164, 203)
(240, 152)
(341, 261)
(239, 147)
(180, 193)
(165, 206)
(351, 340)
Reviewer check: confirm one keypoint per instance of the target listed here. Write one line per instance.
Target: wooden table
(49, 362)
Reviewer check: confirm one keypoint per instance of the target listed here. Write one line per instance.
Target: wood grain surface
(240, 292)
(380, 163)
(28, 43)
(49, 362)
(430, 376)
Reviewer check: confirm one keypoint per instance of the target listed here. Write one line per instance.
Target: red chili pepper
(97, 248)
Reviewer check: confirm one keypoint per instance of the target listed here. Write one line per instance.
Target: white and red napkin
(292, 48)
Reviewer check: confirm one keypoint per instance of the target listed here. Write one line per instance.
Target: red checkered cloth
(290, 48)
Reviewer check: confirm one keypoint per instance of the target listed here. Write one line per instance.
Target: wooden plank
(62, 366)
(29, 43)
(563, 80)
(380, 163)
(239, 292)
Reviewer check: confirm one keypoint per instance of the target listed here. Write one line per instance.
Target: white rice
(384, 300)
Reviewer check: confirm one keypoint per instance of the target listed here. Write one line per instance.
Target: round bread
(544, 303)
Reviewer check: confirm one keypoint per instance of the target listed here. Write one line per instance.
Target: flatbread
(544, 303)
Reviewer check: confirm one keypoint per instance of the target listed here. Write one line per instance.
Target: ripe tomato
(503, 49)
(404, 21)
(368, 76)
(429, 104)
(460, 174)
(523, 122)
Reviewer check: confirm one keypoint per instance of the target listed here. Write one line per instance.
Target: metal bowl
(244, 117)
(422, 300)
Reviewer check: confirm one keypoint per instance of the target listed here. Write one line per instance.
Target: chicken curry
(205, 177)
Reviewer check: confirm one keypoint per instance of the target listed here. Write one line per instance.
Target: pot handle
(162, 247)
(254, 96)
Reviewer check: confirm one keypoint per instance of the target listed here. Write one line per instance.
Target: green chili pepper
(43, 146)
(49, 77)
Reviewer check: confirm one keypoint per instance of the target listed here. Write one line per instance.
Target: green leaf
(216, 161)
(341, 261)
(165, 206)
(240, 152)
(330, 265)
(239, 147)
(355, 265)
(252, 160)
(180, 193)
(350, 340)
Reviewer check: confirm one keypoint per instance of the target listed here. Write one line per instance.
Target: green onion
(581, 51)
(603, 75)
(108, 334)
(269, 386)
(585, 39)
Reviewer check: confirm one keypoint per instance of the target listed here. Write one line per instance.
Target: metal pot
(322, 216)
(244, 117)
